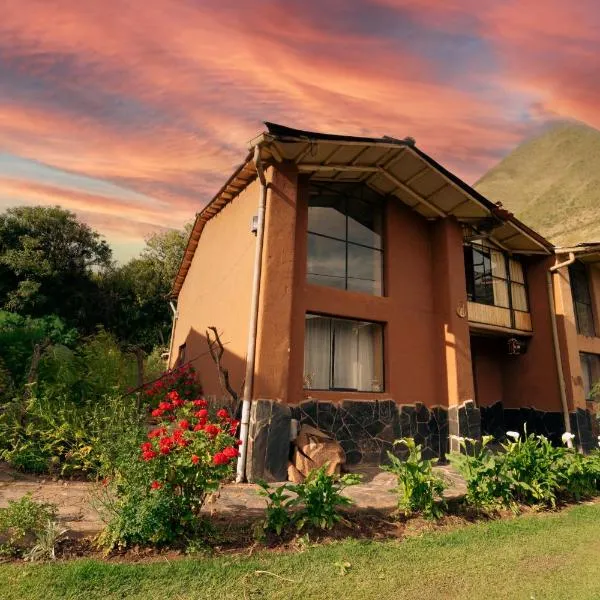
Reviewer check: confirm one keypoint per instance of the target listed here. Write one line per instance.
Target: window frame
(579, 269)
(587, 368)
(331, 375)
(379, 203)
(507, 281)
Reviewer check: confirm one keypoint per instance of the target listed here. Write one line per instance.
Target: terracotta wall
(217, 291)
(488, 367)
(532, 379)
(413, 335)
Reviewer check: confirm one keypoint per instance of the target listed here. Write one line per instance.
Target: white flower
(567, 437)
(599, 440)
(515, 435)
(459, 439)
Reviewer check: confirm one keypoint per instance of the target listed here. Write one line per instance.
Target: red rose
(200, 403)
(233, 426)
(238, 442)
(220, 459)
(146, 446)
(165, 449)
(201, 414)
(223, 413)
(149, 455)
(182, 442)
(155, 485)
(195, 459)
(157, 432)
(165, 406)
(212, 430)
(184, 424)
(199, 427)
(231, 452)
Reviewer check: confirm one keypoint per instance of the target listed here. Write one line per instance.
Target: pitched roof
(390, 166)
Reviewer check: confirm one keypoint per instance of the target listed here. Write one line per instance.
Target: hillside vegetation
(552, 183)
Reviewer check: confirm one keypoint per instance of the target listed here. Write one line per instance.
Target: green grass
(545, 556)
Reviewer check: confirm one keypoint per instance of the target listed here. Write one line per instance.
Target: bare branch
(216, 349)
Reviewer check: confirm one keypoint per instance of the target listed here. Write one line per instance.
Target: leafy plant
(481, 469)
(23, 520)
(160, 492)
(46, 540)
(419, 489)
(315, 502)
(279, 503)
(319, 497)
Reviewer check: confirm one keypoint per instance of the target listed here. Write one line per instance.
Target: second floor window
(345, 250)
(494, 278)
(582, 299)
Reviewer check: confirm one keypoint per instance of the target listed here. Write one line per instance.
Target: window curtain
(499, 271)
(317, 353)
(345, 355)
(370, 378)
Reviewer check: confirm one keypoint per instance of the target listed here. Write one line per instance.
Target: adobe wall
(217, 291)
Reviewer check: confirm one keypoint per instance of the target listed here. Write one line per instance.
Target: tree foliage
(47, 260)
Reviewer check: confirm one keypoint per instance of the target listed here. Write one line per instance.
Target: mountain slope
(552, 183)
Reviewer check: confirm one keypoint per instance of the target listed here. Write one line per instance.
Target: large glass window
(590, 367)
(582, 299)
(345, 250)
(494, 278)
(341, 354)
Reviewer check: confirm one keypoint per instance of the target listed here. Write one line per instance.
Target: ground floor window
(590, 367)
(342, 354)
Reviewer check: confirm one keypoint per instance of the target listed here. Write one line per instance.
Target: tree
(47, 263)
(136, 294)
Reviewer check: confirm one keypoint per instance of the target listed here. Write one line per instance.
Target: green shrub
(277, 512)
(319, 497)
(419, 489)
(156, 494)
(22, 521)
(315, 502)
(482, 471)
(50, 435)
(529, 470)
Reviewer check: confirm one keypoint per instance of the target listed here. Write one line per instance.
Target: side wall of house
(217, 291)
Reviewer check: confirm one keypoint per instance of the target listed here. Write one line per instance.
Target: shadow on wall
(196, 350)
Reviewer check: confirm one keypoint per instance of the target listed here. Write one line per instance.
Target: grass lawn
(545, 556)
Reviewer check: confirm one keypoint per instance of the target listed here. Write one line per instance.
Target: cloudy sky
(132, 112)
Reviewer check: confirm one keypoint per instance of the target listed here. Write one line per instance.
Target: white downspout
(557, 355)
(172, 339)
(252, 330)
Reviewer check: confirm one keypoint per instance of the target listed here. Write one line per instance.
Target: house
(362, 288)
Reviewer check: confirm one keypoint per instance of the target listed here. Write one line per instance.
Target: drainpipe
(173, 322)
(557, 355)
(251, 351)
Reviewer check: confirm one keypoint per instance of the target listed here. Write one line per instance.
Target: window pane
(345, 354)
(317, 353)
(482, 277)
(519, 297)
(516, 271)
(585, 319)
(364, 223)
(590, 367)
(326, 215)
(370, 357)
(326, 261)
(364, 270)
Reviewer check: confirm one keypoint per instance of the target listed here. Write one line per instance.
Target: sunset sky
(132, 112)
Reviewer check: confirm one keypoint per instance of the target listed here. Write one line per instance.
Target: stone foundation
(367, 429)
(497, 420)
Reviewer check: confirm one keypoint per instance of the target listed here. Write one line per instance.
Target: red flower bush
(175, 387)
(187, 456)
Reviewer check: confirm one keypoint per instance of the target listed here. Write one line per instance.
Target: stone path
(73, 498)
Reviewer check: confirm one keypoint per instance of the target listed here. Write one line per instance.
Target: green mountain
(552, 183)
